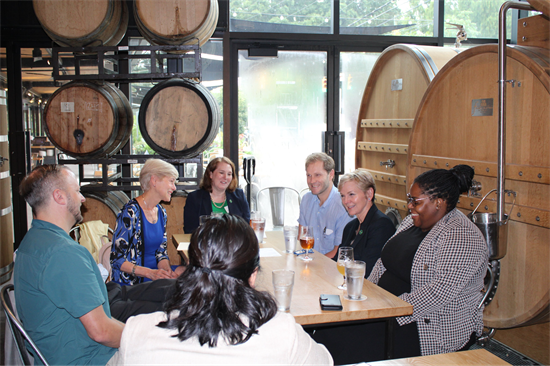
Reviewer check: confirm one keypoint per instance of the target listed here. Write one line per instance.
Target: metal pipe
(502, 100)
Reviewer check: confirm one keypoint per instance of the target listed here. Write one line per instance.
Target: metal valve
(390, 163)
(2, 160)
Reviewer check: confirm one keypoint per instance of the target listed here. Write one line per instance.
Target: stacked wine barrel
(77, 23)
(88, 119)
(179, 118)
(176, 22)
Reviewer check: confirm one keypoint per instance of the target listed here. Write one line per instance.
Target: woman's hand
(156, 274)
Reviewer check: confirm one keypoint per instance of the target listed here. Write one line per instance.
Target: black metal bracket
(106, 59)
(105, 182)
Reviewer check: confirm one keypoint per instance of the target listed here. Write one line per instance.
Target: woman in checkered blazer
(436, 261)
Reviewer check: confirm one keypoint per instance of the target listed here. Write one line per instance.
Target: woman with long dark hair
(216, 316)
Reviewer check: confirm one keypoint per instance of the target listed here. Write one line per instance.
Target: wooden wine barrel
(541, 5)
(179, 118)
(176, 22)
(393, 92)
(174, 211)
(77, 23)
(85, 119)
(457, 123)
(6, 216)
(103, 205)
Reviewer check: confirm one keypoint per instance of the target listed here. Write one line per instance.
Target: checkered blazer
(446, 282)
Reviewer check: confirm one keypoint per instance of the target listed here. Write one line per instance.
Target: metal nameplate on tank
(397, 84)
(482, 107)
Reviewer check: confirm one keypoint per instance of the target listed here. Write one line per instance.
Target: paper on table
(183, 246)
(268, 252)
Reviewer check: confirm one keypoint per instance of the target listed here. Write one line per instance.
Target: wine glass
(345, 255)
(306, 240)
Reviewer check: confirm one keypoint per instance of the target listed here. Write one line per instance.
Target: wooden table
(473, 357)
(320, 276)
(317, 277)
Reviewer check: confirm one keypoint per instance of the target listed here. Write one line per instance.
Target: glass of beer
(345, 255)
(306, 240)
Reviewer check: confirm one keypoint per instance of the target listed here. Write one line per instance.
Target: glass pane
(391, 18)
(282, 115)
(354, 73)
(479, 18)
(281, 16)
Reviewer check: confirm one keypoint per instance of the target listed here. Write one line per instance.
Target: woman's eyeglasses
(414, 201)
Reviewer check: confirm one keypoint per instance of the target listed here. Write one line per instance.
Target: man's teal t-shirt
(56, 282)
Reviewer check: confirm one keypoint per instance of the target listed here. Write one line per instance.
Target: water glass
(259, 228)
(203, 218)
(283, 283)
(355, 274)
(291, 233)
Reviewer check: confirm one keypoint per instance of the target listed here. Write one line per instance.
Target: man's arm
(101, 328)
(333, 252)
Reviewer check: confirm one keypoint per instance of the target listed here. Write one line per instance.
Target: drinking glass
(306, 240)
(290, 233)
(283, 282)
(355, 275)
(345, 255)
(259, 228)
(202, 219)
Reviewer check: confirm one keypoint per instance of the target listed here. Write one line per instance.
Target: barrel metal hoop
(6, 269)
(5, 211)
(425, 60)
(429, 60)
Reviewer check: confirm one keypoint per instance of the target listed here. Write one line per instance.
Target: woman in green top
(218, 193)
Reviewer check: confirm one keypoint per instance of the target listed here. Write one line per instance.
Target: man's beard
(74, 210)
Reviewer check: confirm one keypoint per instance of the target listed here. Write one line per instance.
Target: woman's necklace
(150, 213)
(220, 205)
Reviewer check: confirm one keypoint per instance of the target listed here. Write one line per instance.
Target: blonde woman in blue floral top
(139, 241)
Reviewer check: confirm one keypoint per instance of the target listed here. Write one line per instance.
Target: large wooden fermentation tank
(457, 123)
(393, 92)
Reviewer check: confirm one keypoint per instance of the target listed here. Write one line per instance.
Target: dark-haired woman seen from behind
(436, 261)
(216, 316)
(218, 193)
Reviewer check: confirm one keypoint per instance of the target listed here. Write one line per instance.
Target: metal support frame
(502, 102)
(124, 183)
(18, 144)
(101, 56)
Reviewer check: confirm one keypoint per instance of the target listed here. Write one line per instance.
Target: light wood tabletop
(473, 357)
(320, 276)
(317, 277)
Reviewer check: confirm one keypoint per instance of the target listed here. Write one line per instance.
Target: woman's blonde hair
(363, 179)
(156, 167)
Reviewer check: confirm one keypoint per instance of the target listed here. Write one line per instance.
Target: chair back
(277, 202)
(17, 330)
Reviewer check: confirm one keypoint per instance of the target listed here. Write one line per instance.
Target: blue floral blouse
(128, 242)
